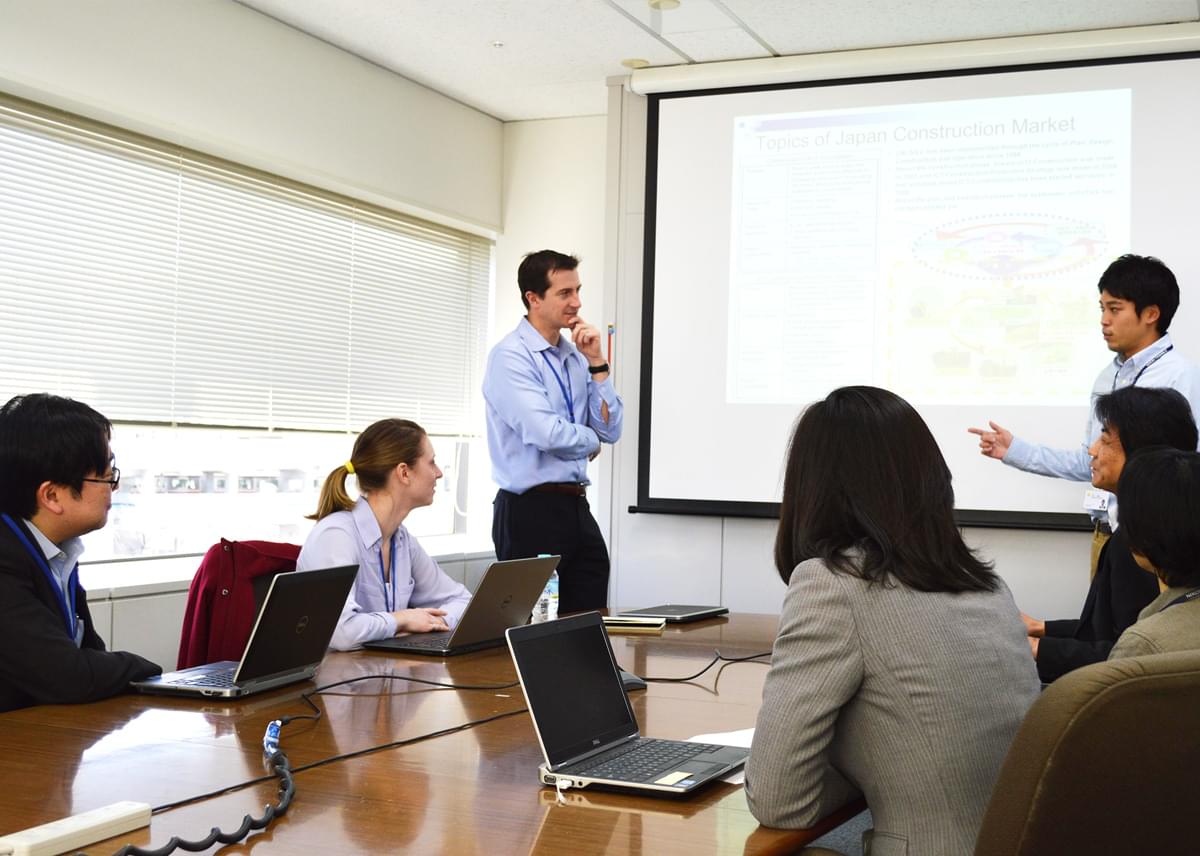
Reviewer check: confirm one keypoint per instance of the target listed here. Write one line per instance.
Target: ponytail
(333, 494)
(377, 451)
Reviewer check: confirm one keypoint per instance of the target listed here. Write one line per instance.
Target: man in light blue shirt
(1138, 299)
(550, 404)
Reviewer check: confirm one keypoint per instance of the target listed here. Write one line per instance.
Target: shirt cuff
(1019, 453)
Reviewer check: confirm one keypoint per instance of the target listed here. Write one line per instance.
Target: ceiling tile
(717, 45)
(557, 54)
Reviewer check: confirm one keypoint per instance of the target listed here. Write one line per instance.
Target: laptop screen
(296, 622)
(572, 686)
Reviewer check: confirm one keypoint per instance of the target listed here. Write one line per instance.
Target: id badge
(1095, 500)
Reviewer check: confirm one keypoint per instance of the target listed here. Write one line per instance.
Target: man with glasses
(57, 479)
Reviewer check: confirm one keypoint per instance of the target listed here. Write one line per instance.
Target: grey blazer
(910, 697)
(1160, 630)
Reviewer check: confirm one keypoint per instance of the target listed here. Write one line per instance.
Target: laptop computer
(584, 722)
(505, 598)
(287, 644)
(677, 613)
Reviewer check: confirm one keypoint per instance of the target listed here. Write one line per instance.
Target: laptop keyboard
(217, 680)
(428, 640)
(643, 761)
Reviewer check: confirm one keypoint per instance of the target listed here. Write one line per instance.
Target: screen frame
(984, 518)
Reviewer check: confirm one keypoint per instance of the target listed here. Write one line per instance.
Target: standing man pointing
(1138, 299)
(550, 403)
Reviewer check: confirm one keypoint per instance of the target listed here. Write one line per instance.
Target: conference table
(472, 791)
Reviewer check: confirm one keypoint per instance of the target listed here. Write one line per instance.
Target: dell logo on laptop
(301, 625)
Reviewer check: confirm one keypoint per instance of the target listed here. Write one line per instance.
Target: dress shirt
(62, 561)
(1154, 366)
(353, 537)
(534, 437)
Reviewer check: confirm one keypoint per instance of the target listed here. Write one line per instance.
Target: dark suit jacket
(39, 663)
(1119, 591)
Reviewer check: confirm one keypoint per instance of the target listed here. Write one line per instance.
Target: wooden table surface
(470, 792)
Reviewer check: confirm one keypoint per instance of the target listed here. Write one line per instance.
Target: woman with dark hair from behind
(399, 587)
(901, 669)
(1160, 513)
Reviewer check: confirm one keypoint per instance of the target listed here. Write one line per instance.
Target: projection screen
(940, 235)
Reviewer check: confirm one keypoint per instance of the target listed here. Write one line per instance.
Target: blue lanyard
(66, 600)
(390, 604)
(1142, 371)
(565, 387)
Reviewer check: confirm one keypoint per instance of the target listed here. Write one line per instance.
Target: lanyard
(66, 600)
(1183, 598)
(565, 387)
(390, 604)
(1142, 370)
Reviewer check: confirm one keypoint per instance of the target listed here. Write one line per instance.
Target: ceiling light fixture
(663, 5)
(497, 44)
(635, 63)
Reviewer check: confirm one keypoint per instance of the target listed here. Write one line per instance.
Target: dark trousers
(529, 523)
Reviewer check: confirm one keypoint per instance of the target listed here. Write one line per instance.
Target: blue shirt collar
(61, 559)
(368, 527)
(366, 524)
(535, 341)
(1145, 354)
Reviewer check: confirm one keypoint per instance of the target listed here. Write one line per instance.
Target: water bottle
(550, 593)
(547, 602)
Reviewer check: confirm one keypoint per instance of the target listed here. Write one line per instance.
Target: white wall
(218, 77)
(658, 557)
(554, 198)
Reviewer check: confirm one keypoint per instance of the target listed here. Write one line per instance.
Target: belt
(1102, 527)
(568, 488)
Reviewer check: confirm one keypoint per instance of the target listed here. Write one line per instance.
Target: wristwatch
(600, 369)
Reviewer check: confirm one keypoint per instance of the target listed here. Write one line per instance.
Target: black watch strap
(600, 369)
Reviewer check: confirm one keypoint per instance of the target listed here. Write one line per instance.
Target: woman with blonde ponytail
(399, 587)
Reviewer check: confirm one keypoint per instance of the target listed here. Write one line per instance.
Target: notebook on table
(505, 597)
(287, 644)
(585, 725)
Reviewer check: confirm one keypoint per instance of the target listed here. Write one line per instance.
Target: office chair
(1105, 762)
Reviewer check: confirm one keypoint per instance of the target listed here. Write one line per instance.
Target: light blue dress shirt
(1155, 366)
(353, 537)
(62, 560)
(543, 412)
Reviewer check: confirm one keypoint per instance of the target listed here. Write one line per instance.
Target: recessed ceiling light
(663, 5)
(635, 63)
(497, 44)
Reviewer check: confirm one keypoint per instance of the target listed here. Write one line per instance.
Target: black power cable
(718, 657)
(287, 789)
(281, 768)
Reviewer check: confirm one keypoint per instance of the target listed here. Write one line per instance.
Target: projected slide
(934, 249)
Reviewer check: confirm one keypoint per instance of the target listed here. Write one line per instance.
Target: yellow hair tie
(350, 467)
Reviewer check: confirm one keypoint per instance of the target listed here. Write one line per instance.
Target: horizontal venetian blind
(159, 285)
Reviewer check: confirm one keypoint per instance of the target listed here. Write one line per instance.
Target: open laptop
(505, 597)
(287, 643)
(677, 613)
(584, 723)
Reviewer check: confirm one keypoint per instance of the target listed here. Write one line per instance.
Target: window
(235, 326)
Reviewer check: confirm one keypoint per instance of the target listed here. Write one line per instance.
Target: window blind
(163, 286)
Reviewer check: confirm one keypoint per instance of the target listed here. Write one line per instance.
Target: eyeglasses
(113, 482)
